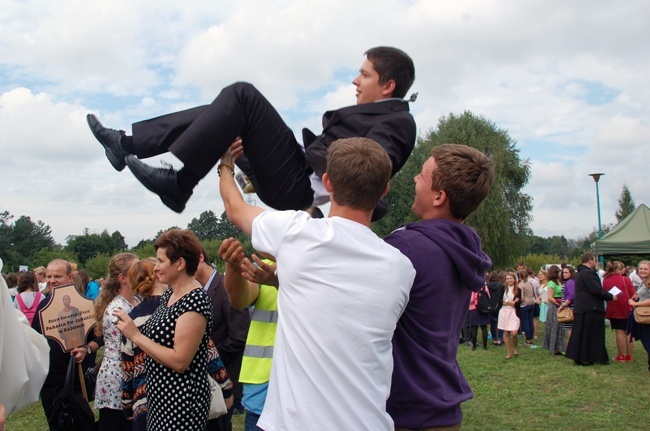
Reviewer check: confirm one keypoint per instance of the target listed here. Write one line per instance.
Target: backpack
(484, 304)
(31, 311)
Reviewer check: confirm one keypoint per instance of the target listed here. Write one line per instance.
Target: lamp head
(596, 176)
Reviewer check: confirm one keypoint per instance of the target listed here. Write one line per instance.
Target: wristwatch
(89, 349)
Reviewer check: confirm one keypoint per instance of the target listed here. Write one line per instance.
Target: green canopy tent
(630, 236)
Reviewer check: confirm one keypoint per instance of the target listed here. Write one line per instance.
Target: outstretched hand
(236, 149)
(125, 324)
(231, 252)
(259, 272)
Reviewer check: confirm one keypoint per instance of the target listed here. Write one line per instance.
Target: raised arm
(238, 211)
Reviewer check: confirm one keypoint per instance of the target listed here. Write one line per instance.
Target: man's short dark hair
(206, 257)
(315, 212)
(392, 63)
(586, 257)
(359, 170)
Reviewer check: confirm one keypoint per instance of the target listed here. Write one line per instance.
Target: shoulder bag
(642, 315)
(217, 404)
(565, 315)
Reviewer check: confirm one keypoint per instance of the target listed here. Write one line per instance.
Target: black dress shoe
(110, 140)
(160, 181)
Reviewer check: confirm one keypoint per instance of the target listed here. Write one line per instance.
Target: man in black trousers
(284, 175)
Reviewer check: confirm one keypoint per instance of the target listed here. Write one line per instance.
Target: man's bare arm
(238, 211)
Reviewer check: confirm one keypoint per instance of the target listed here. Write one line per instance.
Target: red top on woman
(618, 309)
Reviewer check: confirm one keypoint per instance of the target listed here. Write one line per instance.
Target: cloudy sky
(569, 81)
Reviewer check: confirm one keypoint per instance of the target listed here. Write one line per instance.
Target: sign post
(67, 319)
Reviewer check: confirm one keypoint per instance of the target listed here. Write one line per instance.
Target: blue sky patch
(592, 92)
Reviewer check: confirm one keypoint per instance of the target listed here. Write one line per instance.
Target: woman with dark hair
(28, 296)
(495, 287)
(116, 295)
(509, 315)
(618, 311)
(554, 331)
(12, 284)
(175, 338)
(568, 294)
(478, 318)
(641, 298)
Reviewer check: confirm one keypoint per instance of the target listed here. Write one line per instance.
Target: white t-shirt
(342, 290)
(636, 280)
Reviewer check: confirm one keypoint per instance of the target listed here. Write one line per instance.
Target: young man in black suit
(284, 175)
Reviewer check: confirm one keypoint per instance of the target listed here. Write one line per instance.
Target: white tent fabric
(24, 356)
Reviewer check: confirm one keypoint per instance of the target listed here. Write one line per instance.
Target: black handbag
(70, 411)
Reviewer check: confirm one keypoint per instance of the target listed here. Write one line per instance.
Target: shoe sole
(118, 164)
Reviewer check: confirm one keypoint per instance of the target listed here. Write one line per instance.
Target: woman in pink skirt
(509, 315)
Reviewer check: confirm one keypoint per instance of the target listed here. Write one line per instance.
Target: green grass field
(535, 391)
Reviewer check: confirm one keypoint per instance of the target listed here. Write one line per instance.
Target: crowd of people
(593, 298)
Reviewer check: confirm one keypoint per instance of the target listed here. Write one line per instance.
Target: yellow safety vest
(258, 353)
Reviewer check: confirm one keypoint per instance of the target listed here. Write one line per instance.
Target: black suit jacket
(229, 327)
(589, 292)
(388, 122)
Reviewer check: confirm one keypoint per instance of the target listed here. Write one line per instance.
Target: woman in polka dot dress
(175, 338)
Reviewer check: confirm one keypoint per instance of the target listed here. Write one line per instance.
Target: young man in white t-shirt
(342, 290)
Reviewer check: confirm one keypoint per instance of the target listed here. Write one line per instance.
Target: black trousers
(200, 136)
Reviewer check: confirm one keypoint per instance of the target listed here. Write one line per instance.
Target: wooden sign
(68, 317)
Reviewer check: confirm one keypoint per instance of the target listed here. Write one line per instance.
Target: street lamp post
(596, 177)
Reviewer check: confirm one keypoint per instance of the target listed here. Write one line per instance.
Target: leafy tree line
(25, 242)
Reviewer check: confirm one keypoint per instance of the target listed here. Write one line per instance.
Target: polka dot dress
(178, 401)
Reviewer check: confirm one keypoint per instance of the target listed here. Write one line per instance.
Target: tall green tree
(503, 219)
(206, 226)
(226, 230)
(29, 237)
(10, 257)
(625, 204)
(22, 239)
(45, 256)
(97, 266)
(89, 244)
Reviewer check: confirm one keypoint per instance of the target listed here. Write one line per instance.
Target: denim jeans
(527, 322)
(250, 421)
(494, 331)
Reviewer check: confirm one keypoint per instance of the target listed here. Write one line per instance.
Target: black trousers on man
(200, 136)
